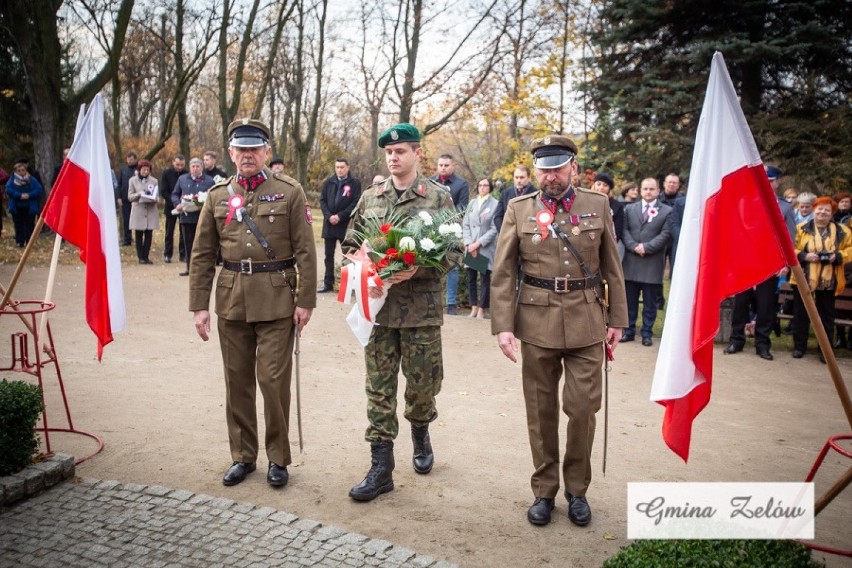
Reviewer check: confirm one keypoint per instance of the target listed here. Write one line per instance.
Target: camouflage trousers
(418, 351)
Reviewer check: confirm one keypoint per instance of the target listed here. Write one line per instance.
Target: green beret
(248, 133)
(552, 151)
(402, 132)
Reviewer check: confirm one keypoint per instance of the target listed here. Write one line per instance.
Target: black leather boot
(423, 456)
(379, 479)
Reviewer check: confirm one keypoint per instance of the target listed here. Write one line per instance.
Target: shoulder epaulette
(286, 179)
(531, 195)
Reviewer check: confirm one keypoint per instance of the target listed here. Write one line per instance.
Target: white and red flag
(733, 237)
(81, 208)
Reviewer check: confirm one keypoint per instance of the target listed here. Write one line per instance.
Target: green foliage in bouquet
(401, 241)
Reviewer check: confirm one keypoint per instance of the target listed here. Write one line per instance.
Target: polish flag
(81, 209)
(733, 237)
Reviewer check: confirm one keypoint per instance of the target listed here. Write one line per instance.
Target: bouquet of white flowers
(191, 202)
(391, 245)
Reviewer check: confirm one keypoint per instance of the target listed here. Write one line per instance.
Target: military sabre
(296, 352)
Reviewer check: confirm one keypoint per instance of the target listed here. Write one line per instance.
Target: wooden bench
(842, 304)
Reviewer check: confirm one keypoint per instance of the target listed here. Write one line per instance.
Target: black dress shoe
(238, 472)
(539, 511)
(798, 354)
(821, 358)
(277, 476)
(765, 354)
(626, 338)
(578, 510)
(184, 273)
(323, 289)
(647, 341)
(731, 349)
(167, 259)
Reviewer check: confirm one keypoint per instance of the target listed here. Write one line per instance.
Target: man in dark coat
(646, 236)
(521, 186)
(168, 182)
(195, 183)
(340, 193)
(460, 192)
(127, 172)
(210, 167)
(761, 299)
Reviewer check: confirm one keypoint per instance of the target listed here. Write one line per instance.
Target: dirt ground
(156, 400)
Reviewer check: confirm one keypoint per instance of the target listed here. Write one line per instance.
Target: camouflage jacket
(417, 302)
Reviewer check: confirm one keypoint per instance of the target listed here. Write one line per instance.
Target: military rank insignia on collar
(272, 197)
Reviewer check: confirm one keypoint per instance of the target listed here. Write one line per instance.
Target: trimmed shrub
(20, 405)
(713, 553)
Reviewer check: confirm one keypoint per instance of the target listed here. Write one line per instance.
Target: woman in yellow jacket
(823, 247)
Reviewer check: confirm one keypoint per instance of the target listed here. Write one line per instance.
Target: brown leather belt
(563, 285)
(249, 266)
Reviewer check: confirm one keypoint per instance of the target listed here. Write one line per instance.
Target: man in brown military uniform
(565, 244)
(408, 330)
(262, 223)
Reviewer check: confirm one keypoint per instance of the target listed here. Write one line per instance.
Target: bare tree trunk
(37, 40)
(302, 144)
(180, 71)
(227, 112)
(412, 45)
(280, 20)
(115, 100)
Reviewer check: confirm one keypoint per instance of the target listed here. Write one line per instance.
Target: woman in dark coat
(24, 192)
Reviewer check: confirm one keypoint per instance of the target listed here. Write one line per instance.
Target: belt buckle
(246, 267)
(563, 289)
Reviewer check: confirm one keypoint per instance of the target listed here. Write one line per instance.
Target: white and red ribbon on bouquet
(356, 279)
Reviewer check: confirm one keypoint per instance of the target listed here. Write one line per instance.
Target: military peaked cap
(552, 151)
(248, 133)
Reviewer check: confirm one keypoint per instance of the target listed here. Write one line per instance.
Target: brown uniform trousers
(255, 311)
(559, 332)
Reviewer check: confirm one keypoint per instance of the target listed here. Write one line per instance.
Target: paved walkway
(105, 523)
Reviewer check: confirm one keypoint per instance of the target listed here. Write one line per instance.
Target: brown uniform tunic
(256, 310)
(559, 332)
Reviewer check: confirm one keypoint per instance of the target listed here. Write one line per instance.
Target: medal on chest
(235, 207)
(544, 218)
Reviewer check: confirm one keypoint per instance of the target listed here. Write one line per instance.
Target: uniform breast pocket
(271, 217)
(220, 211)
(530, 240)
(591, 231)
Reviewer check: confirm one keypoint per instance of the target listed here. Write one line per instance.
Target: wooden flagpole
(822, 338)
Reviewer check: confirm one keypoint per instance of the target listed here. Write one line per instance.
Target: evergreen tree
(790, 62)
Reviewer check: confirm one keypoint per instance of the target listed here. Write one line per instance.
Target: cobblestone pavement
(87, 522)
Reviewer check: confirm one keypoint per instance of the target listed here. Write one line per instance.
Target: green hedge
(20, 406)
(713, 553)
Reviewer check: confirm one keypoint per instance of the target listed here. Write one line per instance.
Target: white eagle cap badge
(245, 121)
(394, 135)
(547, 140)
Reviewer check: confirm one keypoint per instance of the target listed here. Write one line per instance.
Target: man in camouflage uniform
(564, 241)
(262, 223)
(408, 331)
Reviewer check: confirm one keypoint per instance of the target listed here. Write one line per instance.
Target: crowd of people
(558, 269)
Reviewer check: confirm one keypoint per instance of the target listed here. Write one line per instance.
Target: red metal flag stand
(27, 310)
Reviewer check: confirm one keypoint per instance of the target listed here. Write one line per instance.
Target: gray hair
(196, 161)
(805, 197)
